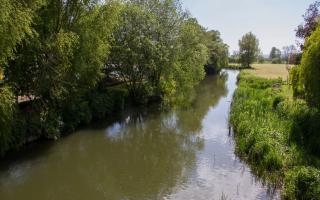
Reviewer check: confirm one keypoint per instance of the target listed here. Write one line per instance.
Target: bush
(295, 80)
(302, 183)
(305, 129)
(310, 73)
(97, 104)
(273, 160)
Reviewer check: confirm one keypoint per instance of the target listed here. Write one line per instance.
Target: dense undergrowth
(278, 135)
(55, 57)
(25, 123)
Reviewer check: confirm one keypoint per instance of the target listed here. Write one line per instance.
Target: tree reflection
(143, 156)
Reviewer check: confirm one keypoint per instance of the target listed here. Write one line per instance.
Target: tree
(234, 57)
(157, 49)
(289, 54)
(311, 20)
(218, 52)
(249, 49)
(310, 72)
(261, 58)
(193, 55)
(16, 19)
(64, 58)
(133, 50)
(275, 55)
(68, 52)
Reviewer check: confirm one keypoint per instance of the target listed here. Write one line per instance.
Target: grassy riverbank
(276, 134)
(234, 66)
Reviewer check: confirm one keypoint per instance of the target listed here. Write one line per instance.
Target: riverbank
(234, 66)
(184, 152)
(276, 134)
(27, 123)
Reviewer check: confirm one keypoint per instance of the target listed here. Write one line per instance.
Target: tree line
(66, 62)
(288, 55)
(249, 52)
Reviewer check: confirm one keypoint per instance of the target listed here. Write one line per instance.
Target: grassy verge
(277, 135)
(234, 66)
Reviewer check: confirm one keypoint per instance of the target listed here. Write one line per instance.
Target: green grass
(234, 66)
(269, 132)
(269, 71)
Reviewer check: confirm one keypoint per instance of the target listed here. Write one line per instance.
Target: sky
(272, 21)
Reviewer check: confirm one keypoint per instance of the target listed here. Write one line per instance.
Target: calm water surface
(144, 154)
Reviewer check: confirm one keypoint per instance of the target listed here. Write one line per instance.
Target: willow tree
(192, 54)
(64, 58)
(156, 48)
(16, 20)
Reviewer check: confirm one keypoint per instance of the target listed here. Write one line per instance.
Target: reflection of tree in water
(154, 154)
(156, 150)
(144, 156)
(208, 94)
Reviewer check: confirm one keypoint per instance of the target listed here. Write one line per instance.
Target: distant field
(269, 71)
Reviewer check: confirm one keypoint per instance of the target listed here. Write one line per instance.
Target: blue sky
(272, 21)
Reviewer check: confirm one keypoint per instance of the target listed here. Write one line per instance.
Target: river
(141, 154)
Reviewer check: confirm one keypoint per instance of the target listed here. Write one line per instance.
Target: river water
(142, 154)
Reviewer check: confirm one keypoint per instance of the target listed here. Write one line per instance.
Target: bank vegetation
(66, 63)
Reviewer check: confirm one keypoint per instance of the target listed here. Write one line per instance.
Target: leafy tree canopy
(249, 49)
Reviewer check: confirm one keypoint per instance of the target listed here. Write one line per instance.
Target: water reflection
(184, 153)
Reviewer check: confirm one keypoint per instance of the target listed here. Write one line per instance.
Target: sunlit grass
(269, 71)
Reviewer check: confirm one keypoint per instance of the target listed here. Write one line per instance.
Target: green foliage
(284, 135)
(133, 53)
(296, 81)
(218, 52)
(16, 18)
(275, 55)
(67, 56)
(254, 102)
(302, 183)
(192, 56)
(7, 117)
(157, 50)
(249, 49)
(310, 72)
(62, 54)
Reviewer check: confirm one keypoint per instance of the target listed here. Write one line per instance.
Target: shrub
(302, 183)
(273, 160)
(310, 73)
(295, 80)
(305, 129)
